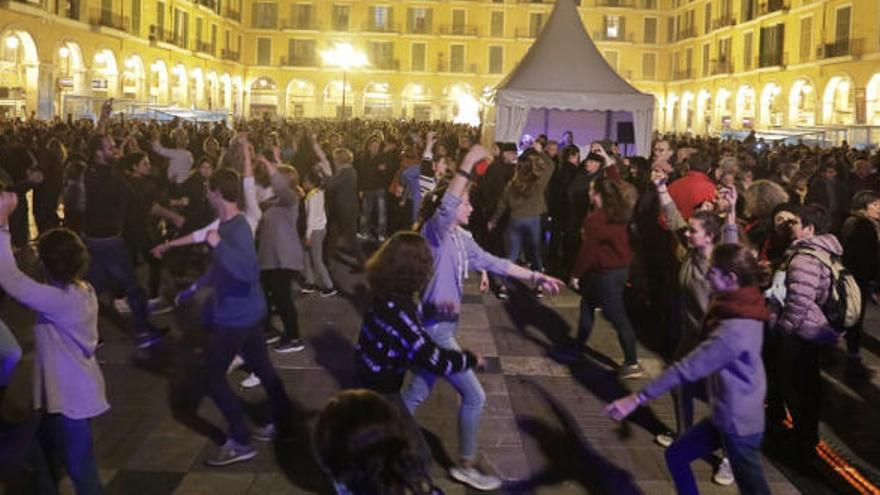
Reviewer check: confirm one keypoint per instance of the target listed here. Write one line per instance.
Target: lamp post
(346, 57)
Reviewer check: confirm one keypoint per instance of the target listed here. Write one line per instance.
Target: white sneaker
(723, 475)
(474, 478)
(230, 453)
(664, 439)
(236, 363)
(251, 381)
(158, 306)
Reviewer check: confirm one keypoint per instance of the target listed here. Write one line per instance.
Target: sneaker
(630, 371)
(293, 345)
(230, 453)
(380, 238)
(272, 338)
(237, 362)
(121, 306)
(265, 433)
(664, 439)
(149, 339)
(251, 381)
(307, 289)
(474, 478)
(539, 292)
(502, 294)
(328, 292)
(723, 475)
(158, 306)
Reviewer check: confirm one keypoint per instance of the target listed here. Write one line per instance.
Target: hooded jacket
(807, 287)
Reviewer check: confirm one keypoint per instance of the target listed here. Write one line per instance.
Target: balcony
(686, 33)
(721, 67)
(772, 6)
(384, 28)
(159, 33)
(536, 1)
(385, 64)
(777, 59)
(232, 14)
(300, 25)
(205, 47)
(723, 22)
(211, 4)
(106, 18)
(527, 32)
(459, 30)
(682, 74)
(420, 28)
(299, 61)
(840, 48)
(39, 4)
(230, 55)
(630, 4)
(620, 38)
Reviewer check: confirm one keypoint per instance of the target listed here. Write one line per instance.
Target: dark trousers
(111, 265)
(799, 386)
(70, 441)
(222, 345)
(345, 236)
(605, 290)
(276, 286)
(743, 452)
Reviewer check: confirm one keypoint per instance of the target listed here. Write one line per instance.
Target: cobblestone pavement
(542, 427)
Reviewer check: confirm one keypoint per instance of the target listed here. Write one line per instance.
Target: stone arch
(802, 103)
(20, 76)
(300, 98)
(838, 100)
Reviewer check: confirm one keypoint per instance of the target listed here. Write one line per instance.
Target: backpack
(843, 306)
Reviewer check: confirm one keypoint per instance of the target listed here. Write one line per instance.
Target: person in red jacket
(695, 188)
(602, 268)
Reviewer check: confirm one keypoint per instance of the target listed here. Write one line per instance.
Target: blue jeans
(374, 206)
(70, 440)
(111, 264)
(10, 354)
(743, 452)
(465, 383)
(605, 290)
(525, 233)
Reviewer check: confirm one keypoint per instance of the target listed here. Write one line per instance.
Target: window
(458, 20)
(842, 24)
(649, 65)
(670, 29)
(536, 22)
(226, 45)
(707, 19)
(805, 51)
(613, 27)
(456, 58)
(160, 15)
(418, 56)
(420, 20)
(611, 57)
(199, 22)
(747, 51)
(213, 38)
(341, 14)
(380, 17)
(689, 62)
(264, 51)
(496, 60)
(747, 10)
(650, 30)
(650, 4)
(301, 53)
(265, 16)
(705, 59)
(772, 43)
(497, 24)
(302, 16)
(381, 54)
(181, 28)
(724, 51)
(136, 16)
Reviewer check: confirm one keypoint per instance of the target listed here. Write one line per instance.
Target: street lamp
(346, 57)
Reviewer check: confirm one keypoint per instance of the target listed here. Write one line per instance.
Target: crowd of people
(752, 258)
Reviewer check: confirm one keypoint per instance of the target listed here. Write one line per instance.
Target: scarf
(745, 302)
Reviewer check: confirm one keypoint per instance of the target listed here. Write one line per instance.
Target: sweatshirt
(235, 276)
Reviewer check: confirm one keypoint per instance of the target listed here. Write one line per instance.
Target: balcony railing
(535, 1)
(300, 24)
(685, 33)
(772, 59)
(772, 6)
(230, 55)
(384, 28)
(721, 67)
(620, 38)
(300, 61)
(682, 74)
(205, 47)
(459, 30)
(723, 21)
(616, 3)
(106, 18)
(420, 29)
(385, 64)
(840, 48)
(211, 4)
(527, 32)
(158, 33)
(39, 4)
(232, 14)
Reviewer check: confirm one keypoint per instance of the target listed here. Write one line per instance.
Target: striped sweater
(392, 339)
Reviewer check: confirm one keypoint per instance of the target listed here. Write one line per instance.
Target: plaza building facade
(709, 63)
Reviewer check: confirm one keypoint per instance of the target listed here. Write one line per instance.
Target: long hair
(401, 267)
(526, 175)
(741, 261)
(615, 202)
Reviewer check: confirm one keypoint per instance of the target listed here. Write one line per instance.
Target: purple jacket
(808, 284)
(455, 253)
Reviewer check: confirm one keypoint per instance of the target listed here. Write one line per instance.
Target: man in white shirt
(180, 160)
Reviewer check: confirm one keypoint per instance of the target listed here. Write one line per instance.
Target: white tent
(564, 78)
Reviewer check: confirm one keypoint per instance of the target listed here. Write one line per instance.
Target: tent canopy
(563, 70)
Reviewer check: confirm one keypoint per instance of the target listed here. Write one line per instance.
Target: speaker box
(625, 133)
